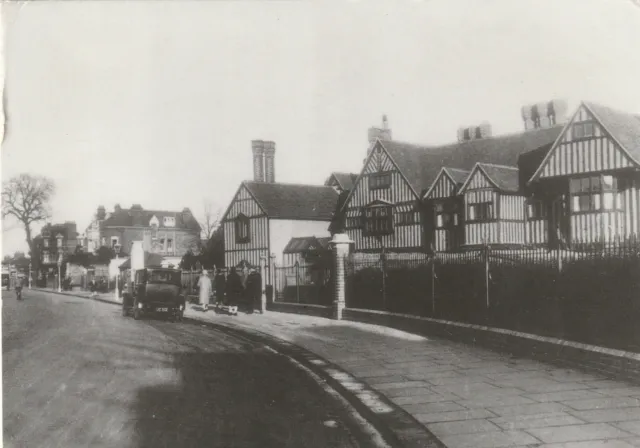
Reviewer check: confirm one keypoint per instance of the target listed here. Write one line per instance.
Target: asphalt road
(77, 373)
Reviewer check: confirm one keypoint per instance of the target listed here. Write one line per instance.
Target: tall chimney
(257, 146)
(544, 115)
(101, 213)
(374, 133)
(269, 162)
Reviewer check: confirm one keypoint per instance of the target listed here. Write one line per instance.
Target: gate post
(340, 248)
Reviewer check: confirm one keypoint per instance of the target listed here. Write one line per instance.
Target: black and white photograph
(319, 224)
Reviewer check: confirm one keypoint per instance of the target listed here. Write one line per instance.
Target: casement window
(595, 193)
(354, 223)
(242, 229)
(46, 243)
(446, 214)
(482, 211)
(114, 241)
(169, 221)
(169, 245)
(406, 218)
(378, 220)
(583, 130)
(380, 181)
(536, 209)
(161, 242)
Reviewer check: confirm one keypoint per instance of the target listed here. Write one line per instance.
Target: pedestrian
(235, 290)
(220, 286)
(204, 283)
(254, 290)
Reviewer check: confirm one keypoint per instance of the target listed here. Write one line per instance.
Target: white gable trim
(443, 170)
(477, 167)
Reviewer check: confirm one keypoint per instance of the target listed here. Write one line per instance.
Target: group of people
(232, 291)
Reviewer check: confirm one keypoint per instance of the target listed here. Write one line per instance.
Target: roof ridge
(493, 137)
(612, 109)
(515, 168)
(286, 184)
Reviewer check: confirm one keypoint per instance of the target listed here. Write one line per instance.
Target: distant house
(167, 233)
(264, 215)
(54, 241)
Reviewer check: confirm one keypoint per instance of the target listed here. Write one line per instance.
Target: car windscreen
(169, 277)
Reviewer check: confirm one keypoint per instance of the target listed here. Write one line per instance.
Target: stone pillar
(340, 249)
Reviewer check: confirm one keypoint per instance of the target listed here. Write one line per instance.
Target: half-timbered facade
(445, 220)
(590, 178)
(389, 208)
(493, 208)
(383, 208)
(263, 217)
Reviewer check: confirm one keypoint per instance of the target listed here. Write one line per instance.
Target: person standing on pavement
(220, 287)
(254, 290)
(204, 283)
(235, 290)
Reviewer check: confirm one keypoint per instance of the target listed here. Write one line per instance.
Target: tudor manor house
(569, 179)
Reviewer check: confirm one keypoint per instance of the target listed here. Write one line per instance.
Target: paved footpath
(467, 396)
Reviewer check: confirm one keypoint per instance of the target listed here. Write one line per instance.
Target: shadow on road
(244, 399)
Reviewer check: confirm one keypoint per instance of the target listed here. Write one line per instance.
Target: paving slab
(608, 415)
(632, 426)
(535, 421)
(603, 403)
(578, 433)
(462, 427)
(491, 440)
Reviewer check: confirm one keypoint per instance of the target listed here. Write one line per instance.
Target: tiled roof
(141, 218)
(345, 180)
(458, 176)
(421, 164)
(529, 162)
(291, 201)
(505, 177)
(624, 127)
(338, 220)
(303, 244)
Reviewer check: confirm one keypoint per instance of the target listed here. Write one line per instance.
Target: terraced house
(562, 181)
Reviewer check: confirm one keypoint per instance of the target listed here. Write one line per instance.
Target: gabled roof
(305, 244)
(292, 201)
(337, 222)
(504, 178)
(421, 164)
(623, 127)
(529, 162)
(456, 175)
(345, 180)
(140, 218)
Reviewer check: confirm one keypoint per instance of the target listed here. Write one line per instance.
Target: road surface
(77, 373)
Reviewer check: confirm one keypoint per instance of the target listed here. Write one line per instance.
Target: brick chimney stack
(269, 162)
(257, 147)
(544, 115)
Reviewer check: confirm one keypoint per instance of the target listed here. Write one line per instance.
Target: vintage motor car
(155, 290)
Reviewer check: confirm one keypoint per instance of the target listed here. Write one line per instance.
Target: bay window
(378, 220)
(595, 193)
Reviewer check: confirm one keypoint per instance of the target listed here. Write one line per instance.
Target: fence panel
(306, 284)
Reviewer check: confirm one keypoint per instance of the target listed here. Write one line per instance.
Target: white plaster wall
(282, 230)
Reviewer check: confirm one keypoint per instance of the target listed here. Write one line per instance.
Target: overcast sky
(156, 102)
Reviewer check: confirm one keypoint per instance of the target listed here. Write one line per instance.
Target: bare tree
(26, 198)
(211, 219)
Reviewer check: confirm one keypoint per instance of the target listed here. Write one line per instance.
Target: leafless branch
(211, 219)
(26, 198)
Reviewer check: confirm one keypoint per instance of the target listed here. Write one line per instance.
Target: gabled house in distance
(264, 215)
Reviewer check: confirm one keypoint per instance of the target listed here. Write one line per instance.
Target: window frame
(376, 224)
(449, 209)
(481, 217)
(406, 218)
(539, 208)
(380, 181)
(242, 229)
(587, 194)
(582, 126)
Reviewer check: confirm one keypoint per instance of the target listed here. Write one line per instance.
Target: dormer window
(169, 221)
(242, 228)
